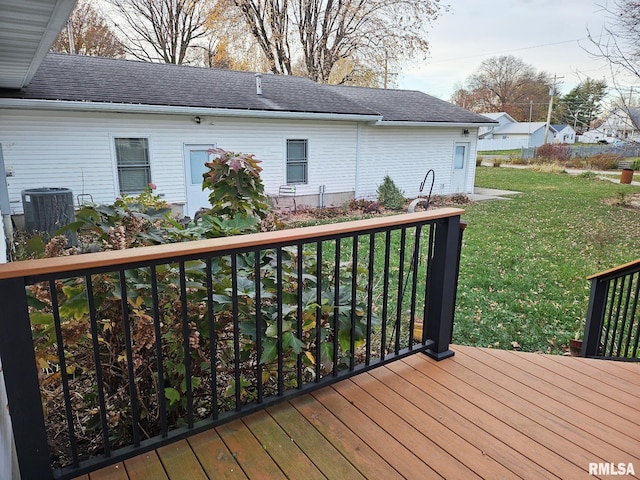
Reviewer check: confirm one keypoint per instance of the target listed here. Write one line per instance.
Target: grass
(525, 261)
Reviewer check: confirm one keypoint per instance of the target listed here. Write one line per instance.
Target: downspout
(356, 191)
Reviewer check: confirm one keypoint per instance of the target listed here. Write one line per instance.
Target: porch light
(465, 132)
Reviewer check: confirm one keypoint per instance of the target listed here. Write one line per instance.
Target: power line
(516, 49)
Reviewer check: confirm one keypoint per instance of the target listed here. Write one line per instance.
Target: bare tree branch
(162, 30)
(327, 32)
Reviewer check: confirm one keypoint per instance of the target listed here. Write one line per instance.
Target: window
(132, 155)
(458, 157)
(296, 161)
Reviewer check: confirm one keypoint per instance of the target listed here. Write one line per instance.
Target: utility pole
(72, 46)
(552, 92)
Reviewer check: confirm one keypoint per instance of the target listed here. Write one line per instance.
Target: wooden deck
(481, 414)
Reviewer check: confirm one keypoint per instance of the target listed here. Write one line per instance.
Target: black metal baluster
(126, 322)
(98, 364)
(618, 296)
(635, 313)
(414, 283)
(164, 424)
(279, 320)
(372, 242)
(385, 294)
(299, 313)
(354, 274)
(400, 296)
(318, 311)
(258, 290)
(63, 371)
(236, 331)
(213, 341)
(336, 307)
(631, 312)
(186, 335)
(625, 312)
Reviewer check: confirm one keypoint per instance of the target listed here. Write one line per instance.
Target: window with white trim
(134, 172)
(297, 161)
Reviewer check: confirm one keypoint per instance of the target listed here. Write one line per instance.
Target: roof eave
(66, 105)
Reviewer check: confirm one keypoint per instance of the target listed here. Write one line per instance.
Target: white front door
(195, 156)
(460, 168)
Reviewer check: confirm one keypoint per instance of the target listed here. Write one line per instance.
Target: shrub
(557, 152)
(235, 184)
(497, 162)
(603, 161)
(636, 164)
(389, 195)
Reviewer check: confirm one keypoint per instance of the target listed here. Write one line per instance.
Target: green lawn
(525, 261)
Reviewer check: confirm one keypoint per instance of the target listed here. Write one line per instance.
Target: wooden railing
(137, 348)
(612, 328)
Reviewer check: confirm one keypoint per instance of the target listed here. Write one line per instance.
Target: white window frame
(119, 169)
(304, 162)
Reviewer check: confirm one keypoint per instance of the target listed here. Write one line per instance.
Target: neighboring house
(594, 136)
(503, 118)
(510, 134)
(564, 134)
(622, 123)
(101, 127)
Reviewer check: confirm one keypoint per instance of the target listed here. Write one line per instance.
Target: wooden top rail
(613, 271)
(167, 251)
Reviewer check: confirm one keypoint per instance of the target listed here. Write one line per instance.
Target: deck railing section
(612, 328)
(136, 348)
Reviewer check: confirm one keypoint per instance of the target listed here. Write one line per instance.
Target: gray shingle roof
(95, 79)
(408, 105)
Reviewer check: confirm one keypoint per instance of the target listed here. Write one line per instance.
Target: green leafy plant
(235, 185)
(389, 195)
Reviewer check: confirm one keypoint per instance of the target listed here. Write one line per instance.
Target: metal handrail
(612, 329)
(214, 318)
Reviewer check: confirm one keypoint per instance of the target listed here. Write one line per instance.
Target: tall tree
(619, 45)
(162, 30)
(328, 32)
(90, 34)
(582, 104)
(506, 84)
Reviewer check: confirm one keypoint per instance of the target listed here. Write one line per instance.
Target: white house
(510, 134)
(503, 118)
(102, 126)
(622, 123)
(564, 134)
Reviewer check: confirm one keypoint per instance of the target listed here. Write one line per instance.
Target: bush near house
(389, 195)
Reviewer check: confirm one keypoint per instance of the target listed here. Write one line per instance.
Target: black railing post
(21, 381)
(441, 286)
(595, 318)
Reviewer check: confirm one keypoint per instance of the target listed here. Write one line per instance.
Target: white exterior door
(195, 156)
(460, 168)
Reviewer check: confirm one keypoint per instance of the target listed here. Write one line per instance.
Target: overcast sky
(547, 34)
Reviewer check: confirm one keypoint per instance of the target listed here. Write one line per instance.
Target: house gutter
(66, 105)
(391, 123)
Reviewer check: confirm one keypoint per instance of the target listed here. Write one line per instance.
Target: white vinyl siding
(76, 150)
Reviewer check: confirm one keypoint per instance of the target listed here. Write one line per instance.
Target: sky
(550, 35)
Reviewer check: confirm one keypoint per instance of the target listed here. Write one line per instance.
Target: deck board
(481, 414)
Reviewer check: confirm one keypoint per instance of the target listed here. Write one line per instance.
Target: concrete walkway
(480, 193)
